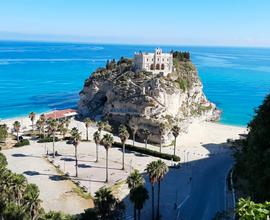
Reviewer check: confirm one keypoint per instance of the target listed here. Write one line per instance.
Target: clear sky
(181, 22)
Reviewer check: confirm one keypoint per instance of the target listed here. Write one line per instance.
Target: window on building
(152, 67)
(158, 66)
(162, 66)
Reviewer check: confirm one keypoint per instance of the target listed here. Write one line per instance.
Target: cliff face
(142, 100)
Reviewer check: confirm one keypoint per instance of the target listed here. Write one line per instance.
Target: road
(198, 199)
(208, 188)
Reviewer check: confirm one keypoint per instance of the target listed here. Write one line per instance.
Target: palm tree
(32, 201)
(104, 126)
(52, 128)
(67, 122)
(134, 129)
(138, 196)
(87, 122)
(32, 117)
(146, 134)
(17, 127)
(161, 133)
(105, 202)
(39, 126)
(42, 123)
(63, 130)
(18, 186)
(107, 142)
(134, 180)
(76, 137)
(96, 138)
(161, 170)
(151, 169)
(124, 135)
(175, 132)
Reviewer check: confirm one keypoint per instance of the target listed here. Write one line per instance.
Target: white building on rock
(157, 62)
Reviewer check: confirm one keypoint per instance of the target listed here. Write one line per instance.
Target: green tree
(76, 137)
(138, 196)
(249, 210)
(87, 122)
(3, 132)
(13, 211)
(146, 134)
(53, 125)
(62, 129)
(32, 201)
(161, 133)
(17, 127)
(134, 180)
(52, 215)
(32, 117)
(151, 170)
(175, 132)
(97, 140)
(123, 135)
(18, 186)
(107, 205)
(107, 142)
(161, 170)
(252, 160)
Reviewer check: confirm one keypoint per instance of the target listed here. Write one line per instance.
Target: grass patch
(80, 192)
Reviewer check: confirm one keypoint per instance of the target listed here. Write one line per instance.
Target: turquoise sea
(44, 76)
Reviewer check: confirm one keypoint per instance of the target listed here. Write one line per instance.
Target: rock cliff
(142, 100)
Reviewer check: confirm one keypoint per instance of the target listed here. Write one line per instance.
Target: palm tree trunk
(107, 166)
(174, 146)
(133, 137)
(32, 127)
(76, 162)
(123, 157)
(158, 200)
(53, 145)
(153, 202)
(17, 136)
(87, 134)
(96, 152)
(135, 214)
(145, 143)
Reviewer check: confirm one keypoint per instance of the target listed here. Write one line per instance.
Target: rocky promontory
(143, 100)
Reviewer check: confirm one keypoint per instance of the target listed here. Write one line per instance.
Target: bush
(48, 139)
(148, 152)
(22, 142)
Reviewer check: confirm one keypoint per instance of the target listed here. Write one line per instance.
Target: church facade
(157, 62)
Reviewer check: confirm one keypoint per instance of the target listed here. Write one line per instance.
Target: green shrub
(22, 142)
(148, 152)
(48, 139)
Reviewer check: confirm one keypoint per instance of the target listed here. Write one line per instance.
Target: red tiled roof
(60, 114)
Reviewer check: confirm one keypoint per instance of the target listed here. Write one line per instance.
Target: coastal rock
(143, 100)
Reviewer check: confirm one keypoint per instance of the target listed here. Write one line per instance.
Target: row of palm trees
(156, 171)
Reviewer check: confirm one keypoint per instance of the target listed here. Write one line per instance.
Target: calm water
(44, 76)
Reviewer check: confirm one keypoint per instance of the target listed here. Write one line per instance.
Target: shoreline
(25, 117)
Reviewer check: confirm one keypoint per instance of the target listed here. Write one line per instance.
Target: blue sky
(182, 22)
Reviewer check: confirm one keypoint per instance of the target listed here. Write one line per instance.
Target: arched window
(158, 66)
(162, 66)
(152, 67)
